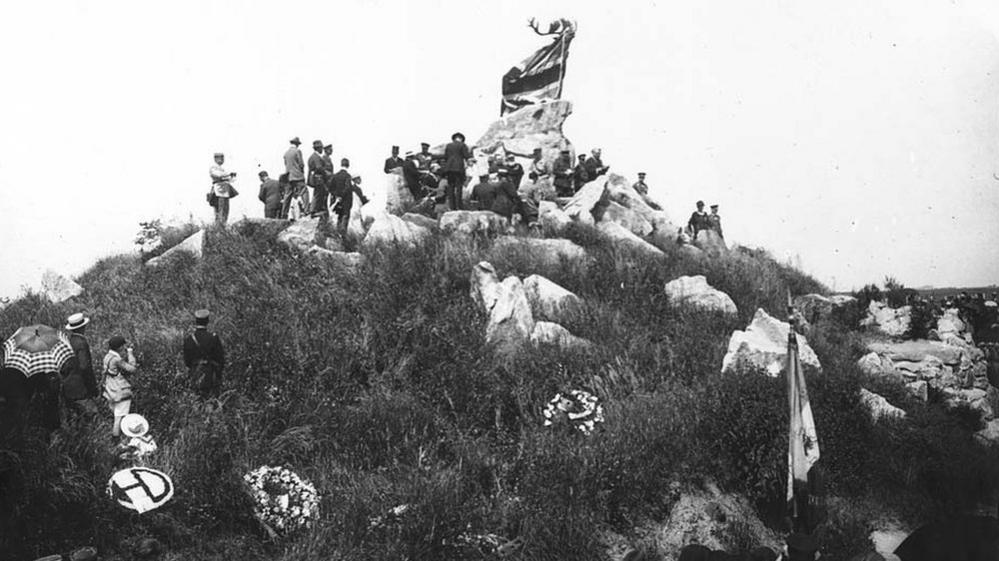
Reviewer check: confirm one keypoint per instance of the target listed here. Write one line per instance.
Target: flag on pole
(539, 77)
(803, 442)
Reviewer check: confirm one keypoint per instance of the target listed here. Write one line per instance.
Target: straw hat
(133, 425)
(76, 321)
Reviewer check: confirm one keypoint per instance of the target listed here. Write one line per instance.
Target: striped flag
(803, 442)
(539, 77)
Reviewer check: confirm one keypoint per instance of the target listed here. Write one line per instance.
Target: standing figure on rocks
(714, 221)
(640, 185)
(515, 170)
(456, 157)
(424, 158)
(221, 188)
(79, 385)
(507, 200)
(581, 174)
(295, 168)
(393, 161)
(117, 388)
(594, 166)
(411, 175)
(698, 220)
(317, 170)
(563, 172)
(539, 168)
(204, 357)
(270, 195)
(342, 188)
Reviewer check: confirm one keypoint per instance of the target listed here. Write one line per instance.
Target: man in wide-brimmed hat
(456, 157)
(317, 171)
(79, 385)
(204, 357)
(295, 168)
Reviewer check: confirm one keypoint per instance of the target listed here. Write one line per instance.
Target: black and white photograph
(651, 280)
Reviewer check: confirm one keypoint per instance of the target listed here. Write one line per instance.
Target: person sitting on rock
(563, 173)
(430, 181)
(698, 220)
(580, 175)
(714, 221)
(484, 193)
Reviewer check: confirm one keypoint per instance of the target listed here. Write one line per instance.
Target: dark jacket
(342, 185)
(581, 176)
(562, 170)
(507, 200)
(594, 167)
(455, 155)
(392, 163)
(412, 177)
(81, 368)
(516, 172)
(698, 221)
(484, 193)
(317, 170)
(203, 346)
(270, 193)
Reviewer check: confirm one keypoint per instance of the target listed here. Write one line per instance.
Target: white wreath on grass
(579, 408)
(282, 500)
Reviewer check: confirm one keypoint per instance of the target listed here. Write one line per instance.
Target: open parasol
(36, 349)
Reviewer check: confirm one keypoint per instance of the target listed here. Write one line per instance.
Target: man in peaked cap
(456, 158)
(640, 185)
(295, 168)
(204, 357)
(393, 161)
(714, 221)
(424, 158)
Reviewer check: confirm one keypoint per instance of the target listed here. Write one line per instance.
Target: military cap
(317, 143)
(201, 316)
(219, 155)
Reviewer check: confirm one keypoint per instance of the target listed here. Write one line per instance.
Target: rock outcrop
(696, 292)
(193, 245)
(550, 301)
(473, 222)
(711, 243)
(763, 345)
(398, 199)
(302, 235)
(346, 259)
(621, 235)
(510, 320)
(549, 333)
(893, 322)
(552, 218)
(391, 229)
(585, 204)
(815, 307)
(878, 406)
(58, 288)
(549, 252)
(524, 130)
(624, 216)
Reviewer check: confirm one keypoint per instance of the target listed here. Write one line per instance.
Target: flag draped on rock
(803, 442)
(539, 77)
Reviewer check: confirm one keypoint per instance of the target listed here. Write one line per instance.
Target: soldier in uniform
(424, 158)
(640, 185)
(538, 168)
(204, 357)
(515, 170)
(562, 170)
(581, 174)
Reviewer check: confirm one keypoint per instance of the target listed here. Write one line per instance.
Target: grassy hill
(376, 384)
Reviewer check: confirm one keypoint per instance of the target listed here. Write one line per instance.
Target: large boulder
(763, 345)
(710, 242)
(548, 333)
(621, 235)
(302, 235)
(878, 407)
(633, 221)
(815, 307)
(511, 322)
(484, 285)
(917, 351)
(989, 435)
(193, 245)
(877, 366)
(548, 252)
(890, 321)
(398, 199)
(696, 292)
(620, 191)
(421, 220)
(473, 222)
(587, 202)
(524, 130)
(390, 229)
(950, 326)
(345, 259)
(58, 288)
(550, 301)
(552, 218)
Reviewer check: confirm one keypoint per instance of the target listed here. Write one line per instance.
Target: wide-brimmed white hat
(76, 321)
(133, 425)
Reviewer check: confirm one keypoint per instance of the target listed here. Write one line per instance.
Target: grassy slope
(376, 385)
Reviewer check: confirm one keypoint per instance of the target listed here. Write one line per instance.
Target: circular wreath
(579, 408)
(282, 500)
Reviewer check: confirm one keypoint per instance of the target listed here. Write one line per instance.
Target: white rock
(626, 217)
(917, 351)
(950, 323)
(550, 252)
(473, 222)
(420, 220)
(989, 435)
(623, 236)
(390, 229)
(398, 199)
(58, 288)
(877, 366)
(550, 301)
(484, 285)
(548, 333)
(346, 259)
(919, 389)
(302, 235)
(510, 320)
(764, 345)
(890, 321)
(530, 127)
(710, 242)
(194, 245)
(620, 191)
(696, 291)
(580, 206)
(878, 406)
(552, 218)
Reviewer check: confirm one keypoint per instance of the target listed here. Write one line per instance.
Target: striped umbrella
(36, 349)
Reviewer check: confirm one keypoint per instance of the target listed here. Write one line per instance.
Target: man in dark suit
(581, 174)
(411, 174)
(484, 193)
(562, 170)
(594, 166)
(204, 357)
(393, 161)
(343, 187)
(456, 156)
(514, 170)
(270, 195)
(317, 171)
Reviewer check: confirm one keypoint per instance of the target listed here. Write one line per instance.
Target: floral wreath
(282, 500)
(579, 409)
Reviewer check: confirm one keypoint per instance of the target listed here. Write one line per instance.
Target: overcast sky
(857, 138)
